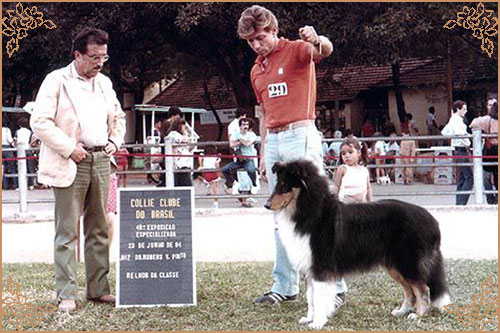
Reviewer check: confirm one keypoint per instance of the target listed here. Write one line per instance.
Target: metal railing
(169, 170)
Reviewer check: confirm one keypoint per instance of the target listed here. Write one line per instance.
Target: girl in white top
(178, 135)
(352, 180)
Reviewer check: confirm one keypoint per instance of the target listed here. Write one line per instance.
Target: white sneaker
(252, 201)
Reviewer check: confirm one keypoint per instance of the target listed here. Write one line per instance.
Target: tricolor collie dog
(326, 239)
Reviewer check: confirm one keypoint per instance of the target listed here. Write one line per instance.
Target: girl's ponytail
(361, 146)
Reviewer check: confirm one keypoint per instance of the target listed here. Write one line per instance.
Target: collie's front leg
(310, 308)
(323, 293)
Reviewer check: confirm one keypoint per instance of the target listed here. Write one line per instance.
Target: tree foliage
(150, 41)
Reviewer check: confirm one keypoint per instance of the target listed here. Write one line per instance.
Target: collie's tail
(437, 284)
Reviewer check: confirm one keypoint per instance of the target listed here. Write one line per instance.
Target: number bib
(277, 89)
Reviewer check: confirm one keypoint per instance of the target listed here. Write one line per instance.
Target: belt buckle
(95, 149)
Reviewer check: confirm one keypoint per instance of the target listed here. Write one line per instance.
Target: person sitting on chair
(245, 141)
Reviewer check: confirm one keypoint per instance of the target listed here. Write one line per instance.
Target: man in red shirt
(284, 82)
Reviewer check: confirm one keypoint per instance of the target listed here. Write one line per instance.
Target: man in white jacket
(81, 124)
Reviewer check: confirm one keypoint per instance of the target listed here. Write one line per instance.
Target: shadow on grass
(225, 294)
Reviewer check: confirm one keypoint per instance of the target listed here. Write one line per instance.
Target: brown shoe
(67, 305)
(104, 299)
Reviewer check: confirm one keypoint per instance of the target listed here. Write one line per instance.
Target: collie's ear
(277, 167)
(298, 170)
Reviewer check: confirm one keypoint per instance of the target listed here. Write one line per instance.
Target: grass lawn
(225, 294)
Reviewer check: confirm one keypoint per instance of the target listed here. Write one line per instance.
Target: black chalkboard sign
(156, 265)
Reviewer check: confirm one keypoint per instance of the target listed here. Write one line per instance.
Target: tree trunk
(208, 100)
(397, 91)
(449, 80)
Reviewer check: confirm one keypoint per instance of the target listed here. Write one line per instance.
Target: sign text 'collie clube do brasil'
(156, 265)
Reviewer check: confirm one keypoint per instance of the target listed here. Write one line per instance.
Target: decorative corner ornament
(17, 23)
(483, 23)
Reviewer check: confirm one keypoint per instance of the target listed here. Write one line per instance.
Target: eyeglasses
(97, 58)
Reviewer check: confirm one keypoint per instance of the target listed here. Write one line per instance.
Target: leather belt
(297, 124)
(95, 149)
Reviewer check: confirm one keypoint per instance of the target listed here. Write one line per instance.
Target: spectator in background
(412, 125)
(432, 127)
(23, 138)
(9, 167)
(456, 126)
(392, 152)
(379, 150)
(157, 128)
(244, 140)
(122, 165)
(173, 114)
(367, 130)
(352, 179)
(489, 124)
(408, 148)
(149, 160)
(178, 135)
(211, 160)
(234, 125)
(405, 124)
(335, 146)
(349, 134)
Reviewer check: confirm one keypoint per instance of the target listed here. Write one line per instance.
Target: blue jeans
(293, 144)
(248, 165)
(465, 180)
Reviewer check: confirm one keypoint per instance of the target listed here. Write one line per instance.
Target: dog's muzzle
(267, 205)
(279, 201)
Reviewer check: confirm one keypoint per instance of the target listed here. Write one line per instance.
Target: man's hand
(79, 153)
(308, 34)
(110, 149)
(262, 169)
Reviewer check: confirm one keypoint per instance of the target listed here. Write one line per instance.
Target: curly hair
(254, 18)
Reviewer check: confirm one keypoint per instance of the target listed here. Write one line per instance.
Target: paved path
(247, 235)
(394, 191)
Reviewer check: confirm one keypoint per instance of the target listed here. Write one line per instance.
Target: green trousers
(87, 194)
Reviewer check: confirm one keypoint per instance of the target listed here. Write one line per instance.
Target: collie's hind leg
(410, 299)
(322, 300)
(310, 308)
(422, 292)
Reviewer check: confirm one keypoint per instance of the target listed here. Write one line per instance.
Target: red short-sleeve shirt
(285, 83)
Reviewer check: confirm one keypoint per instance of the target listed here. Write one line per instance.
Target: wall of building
(354, 115)
(417, 102)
